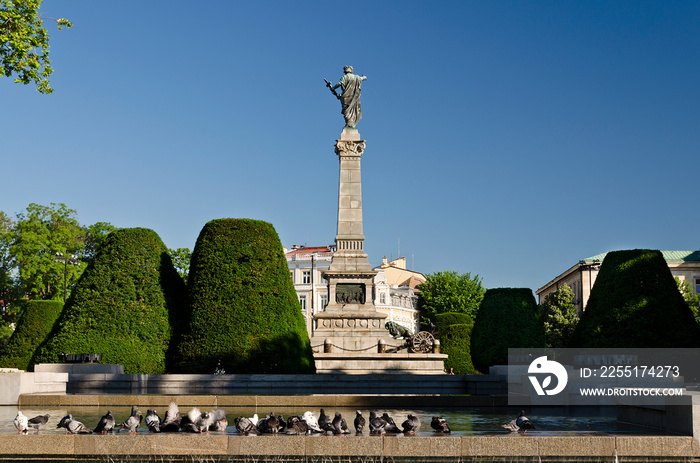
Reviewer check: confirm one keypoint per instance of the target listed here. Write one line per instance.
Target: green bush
(455, 341)
(443, 320)
(243, 304)
(507, 318)
(34, 325)
(635, 302)
(123, 305)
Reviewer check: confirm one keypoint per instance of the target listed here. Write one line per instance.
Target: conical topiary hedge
(507, 318)
(123, 305)
(34, 325)
(244, 310)
(635, 303)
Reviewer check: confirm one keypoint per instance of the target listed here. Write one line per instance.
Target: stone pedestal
(350, 321)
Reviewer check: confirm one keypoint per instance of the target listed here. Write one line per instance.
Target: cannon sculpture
(421, 342)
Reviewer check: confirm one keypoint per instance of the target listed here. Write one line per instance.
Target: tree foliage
(507, 318)
(24, 43)
(29, 244)
(38, 235)
(559, 316)
(636, 303)
(692, 299)
(244, 309)
(449, 291)
(181, 260)
(126, 305)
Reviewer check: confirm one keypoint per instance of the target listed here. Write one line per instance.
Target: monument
(349, 334)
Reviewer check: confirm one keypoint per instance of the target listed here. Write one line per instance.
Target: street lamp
(73, 260)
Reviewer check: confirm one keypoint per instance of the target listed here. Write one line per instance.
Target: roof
(669, 256)
(310, 250)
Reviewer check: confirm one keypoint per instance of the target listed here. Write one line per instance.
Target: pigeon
(203, 421)
(38, 421)
(133, 422)
(523, 422)
(219, 420)
(311, 422)
(254, 419)
(152, 420)
(340, 426)
(325, 422)
(72, 426)
(520, 424)
(390, 424)
(171, 422)
(296, 426)
(377, 424)
(439, 424)
(269, 424)
(188, 422)
(411, 425)
(21, 422)
(106, 424)
(359, 422)
(245, 426)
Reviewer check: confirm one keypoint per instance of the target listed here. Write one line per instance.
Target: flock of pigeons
(324, 424)
(196, 421)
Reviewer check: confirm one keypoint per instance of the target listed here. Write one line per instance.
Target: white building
(395, 288)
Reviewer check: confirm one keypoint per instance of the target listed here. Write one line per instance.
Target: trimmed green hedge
(507, 318)
(455, 341)
(244, 307)
(635, 302)
(443, 320)
(123, 305)
(35, 323)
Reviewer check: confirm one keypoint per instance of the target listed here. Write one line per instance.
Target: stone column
(350, 320)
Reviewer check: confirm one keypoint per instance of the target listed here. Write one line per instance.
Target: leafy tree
(24, 43)
(39, 235)
(559, 316)
(690, 297)
(181, 260)
(126, 305)
(449, 291)
(507, 318)
(29, 265)
(244, 309)
(636, 303)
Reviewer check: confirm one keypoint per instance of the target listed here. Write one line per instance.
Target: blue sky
(506, 139)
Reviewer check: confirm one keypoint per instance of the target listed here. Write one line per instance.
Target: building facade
(395, 288)
(684, 265)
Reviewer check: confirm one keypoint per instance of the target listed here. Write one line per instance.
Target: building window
(306, 277)
(302, 301)
(382, 298)
(291, 275)
(324, 301)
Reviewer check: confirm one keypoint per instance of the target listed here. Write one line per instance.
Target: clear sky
(506, 139)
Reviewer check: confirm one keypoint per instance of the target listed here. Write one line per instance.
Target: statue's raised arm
(350, 85)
